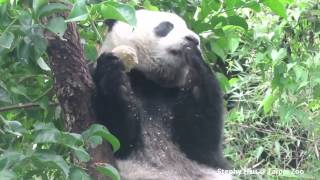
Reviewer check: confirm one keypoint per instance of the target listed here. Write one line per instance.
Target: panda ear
(110, 23)
(163, 29)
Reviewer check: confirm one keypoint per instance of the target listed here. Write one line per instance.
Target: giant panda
(158, 96)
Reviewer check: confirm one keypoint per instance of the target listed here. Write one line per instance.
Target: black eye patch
(163, 28)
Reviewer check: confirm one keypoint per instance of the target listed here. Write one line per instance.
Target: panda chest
(156, 119)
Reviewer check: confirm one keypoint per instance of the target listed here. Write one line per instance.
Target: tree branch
(23, 106)
(74, 89)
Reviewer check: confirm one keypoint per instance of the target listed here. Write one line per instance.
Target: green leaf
(254, 5)
(52, 159)
(268, 101)
(14, 127)
(100, 130)
(6, 39)
(233, 44)
(223, 81)
(149, 6)
(276, 6)
(238, 21)
(47, 136)
(90, 51)
(108, 170)
(78, 174)
(277, 149)
(301, 74)
(57, 25)
(39, 44)
(217, 49)
(51, 8)
(286, 112)
(21, 90)
(43, 65)
(7, 175)
(231, 5)
(78, 12)
(71, 139)
(81, 154)
(209, 5)
(43, 126)
(259, 152)
(277, 55)
(94, 141)
(119, 11)
(12, 157)
(4, 1)
(38, 3)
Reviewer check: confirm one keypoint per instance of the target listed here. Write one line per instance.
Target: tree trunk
(74, 89)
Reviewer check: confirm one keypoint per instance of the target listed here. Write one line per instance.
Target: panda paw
(127, 55)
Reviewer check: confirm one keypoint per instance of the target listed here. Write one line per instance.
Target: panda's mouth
(175, 52)
(184, 49)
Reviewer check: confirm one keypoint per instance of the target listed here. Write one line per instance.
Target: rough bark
(74, 87)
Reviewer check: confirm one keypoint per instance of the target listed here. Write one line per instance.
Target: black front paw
(109, 74)
(108, 61)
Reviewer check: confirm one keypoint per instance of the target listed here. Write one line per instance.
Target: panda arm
(115, 103)
(198, 124)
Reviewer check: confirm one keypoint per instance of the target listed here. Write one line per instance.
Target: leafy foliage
(266, 56)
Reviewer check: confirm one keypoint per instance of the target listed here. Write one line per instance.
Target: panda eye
(163, 28)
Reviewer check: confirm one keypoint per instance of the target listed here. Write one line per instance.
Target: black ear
(110, 23)
(163, 28)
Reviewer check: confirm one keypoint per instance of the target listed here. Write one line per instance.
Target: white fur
(151, 50)
(143, 35)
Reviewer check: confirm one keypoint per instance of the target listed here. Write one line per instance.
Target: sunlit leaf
(276, 6)
(149, 6)
(278, 54)
(259, 152)
(43, 65)
(3, 1)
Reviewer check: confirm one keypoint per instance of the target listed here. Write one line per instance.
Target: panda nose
(192, 40)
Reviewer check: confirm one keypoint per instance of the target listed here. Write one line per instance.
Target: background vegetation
(266, 54)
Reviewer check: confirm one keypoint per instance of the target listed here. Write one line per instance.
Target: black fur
(191, 114)
(163, 29)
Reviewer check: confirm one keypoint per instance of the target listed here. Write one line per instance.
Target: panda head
(160, 40)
